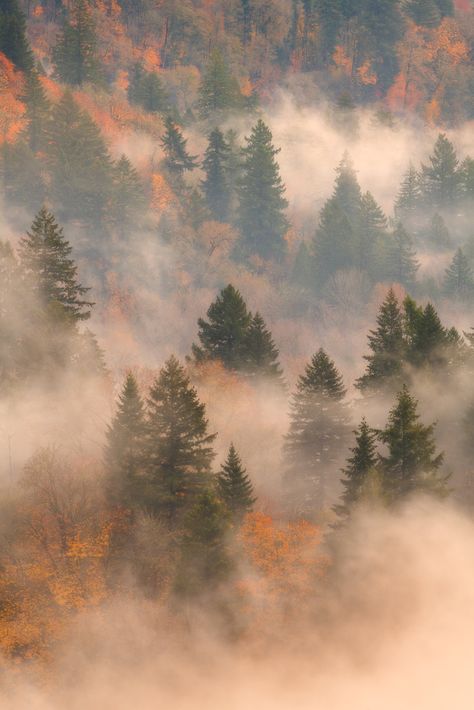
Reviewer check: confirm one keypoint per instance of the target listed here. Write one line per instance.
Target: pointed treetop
(322, 377)
(234, 485)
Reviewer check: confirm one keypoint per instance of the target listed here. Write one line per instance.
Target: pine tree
(13, 41)
(177, 159)
(219, 90)
(205, 560)
(37, 110)
(178, 451)
(223, 336)
(234, 486)
(385, 364)
(412, 464)
(423, 12)
(317, 435)
(128, 201)
(409, 197)
(459, 279)
(124, 456)
(442, 177)
(216, 183)
(75, 54)
(261, 217)
(45, 257)
(402, 264)
(260, 353)
(359, 466)
(80, 165)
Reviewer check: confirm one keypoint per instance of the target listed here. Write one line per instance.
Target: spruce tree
(13, 41)
(177, 159)
(46, 258)
(442, 177)
(317, 435)
(467, 178)
(234, 486)
(75, 54)
(216, 183)
(385, 364)
(79, 163)
(261, 217)
(429, 343)
(153, 96)
(260, 357)
(124, 454)
(128, 197)
(372, 236)
(412, 463)
(423, 12)
(219, 90)
(223, 336)
(409, 196)
(178, 447)
(402, 264)
(37, 110)
(459, 279)
(359, 467)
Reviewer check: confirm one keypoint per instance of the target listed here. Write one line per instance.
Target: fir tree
(177, 159)
(402, 263)
(223, 336)
(178, 451)
(124, 455)
(13, 41)
(408, 200)
(260, 352)
(372, 236)
(441, 178)
(37, 110)
(358, 469)
(75, 54)
(429, 343)
(219, 90)
(466, 173)
(128, 195)
(234, 486)
(45, 256)
(317, 434)
(423, 12)
(261, 217)
(333, 247)
(347, 192)
(146, 89)
(459, 279)
(205, 560)
(412, 464)
(385, 364)
(216, 183)
(80, 165)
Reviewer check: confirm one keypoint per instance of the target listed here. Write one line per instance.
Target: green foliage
(358, 469)
(412, 463)
(441, 178)
(317, 434)
(146, 90)
(409, 196)
(177, 159)
(37, 110)
(75, 54)
(219, 91)
(216, 185)
(459, 279)
(438, 236)
(261, 217)
(260, 357)
(21, 175)
(402, 265)
(13, 41)
(234, 486)
(423, 12)
(178, 451)
(128, 197)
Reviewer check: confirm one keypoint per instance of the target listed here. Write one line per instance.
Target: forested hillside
(236, 352)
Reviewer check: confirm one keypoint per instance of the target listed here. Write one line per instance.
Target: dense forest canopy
(236, 351)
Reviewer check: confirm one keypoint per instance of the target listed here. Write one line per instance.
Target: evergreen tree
(205, 560)
(45, 257)
(146, 90)
(385, 364)
(438, 236)
(459, 279)
(317, 435)
(402, 264)
(333, 246)
(408, 201)
(125, 441)
(330, 21)
(37, 110)
(216, 183)
(429, 343)
(234, 486)
(358, 469)
(17, 316)
(412, 464)
(13, 41)
(80, 165)
(75, 54)
(466, 173)
(347, 192)
(423, 12)
(441, 178)
(177, 159)
(303, 273)
(128, 195)
(178, 451)
(223, 336)
(445, 7)
(260, 352)
(372, 236)
(219, 90)
(261, 217)
(21, 175)
(384, 25)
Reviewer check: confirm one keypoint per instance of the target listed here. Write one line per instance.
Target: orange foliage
(12, 109)
(162, 196)
(342, 61)
(366, 74)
